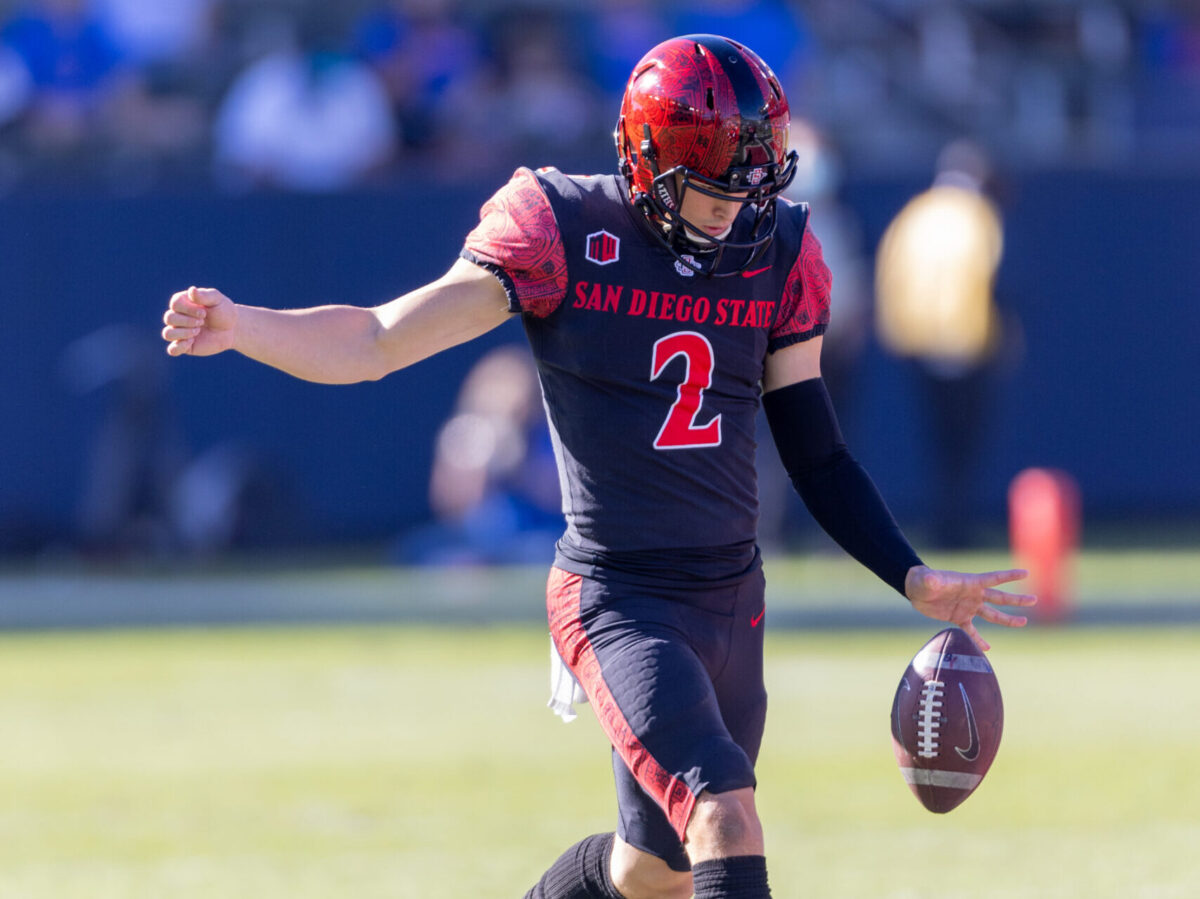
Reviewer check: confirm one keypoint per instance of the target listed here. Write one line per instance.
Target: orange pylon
(1044, 525)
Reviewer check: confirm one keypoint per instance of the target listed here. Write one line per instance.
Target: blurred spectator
(157, 121)
(1105, 46)
(16, 94)
(156, 127)
(1168, 86)
(155, 31)
(533, 106)
(143, 493)
(423, 50)
(616, 35)
(233, 496)
(494, 488)
(935, 274)
(131, 463)
(305, 117)
(776, 29)
(947, 55)
(127, 93)
(16, 85)
(70, 58)
(1170, 38)
(530, 107)
(549, 106)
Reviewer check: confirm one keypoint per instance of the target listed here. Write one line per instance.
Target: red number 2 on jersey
(680, 430)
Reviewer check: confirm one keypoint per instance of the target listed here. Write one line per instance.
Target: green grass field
(814, 589)
(414, 761)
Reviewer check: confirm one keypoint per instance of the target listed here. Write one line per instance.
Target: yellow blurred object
(934, 276)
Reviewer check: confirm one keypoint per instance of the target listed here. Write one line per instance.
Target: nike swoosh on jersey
(757, 618)
(757, 271)
(972, 751)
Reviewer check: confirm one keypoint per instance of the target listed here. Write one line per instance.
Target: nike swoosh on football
(972, 751)
(757, 271)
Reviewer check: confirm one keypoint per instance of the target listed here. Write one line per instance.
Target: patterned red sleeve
(805, 310)
(518, 238)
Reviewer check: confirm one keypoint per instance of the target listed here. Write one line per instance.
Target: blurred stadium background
(148, 146)
(295, 152)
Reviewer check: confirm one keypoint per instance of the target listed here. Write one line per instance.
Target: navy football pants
(675, 678)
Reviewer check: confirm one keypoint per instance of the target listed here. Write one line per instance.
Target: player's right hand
(199, 321)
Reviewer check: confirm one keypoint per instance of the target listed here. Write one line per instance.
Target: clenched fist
(199, 321)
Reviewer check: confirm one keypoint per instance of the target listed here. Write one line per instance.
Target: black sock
(740, 877)
(582, 872)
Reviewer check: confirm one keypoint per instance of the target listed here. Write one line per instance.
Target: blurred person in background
(777, 28)
(551, 109)
(616, 35)
(935, 305)
(493, 488)
(136, 449)
(151, 32)
(71, 59)
(155, 130)
(144, 494)
(531, 101)
(422, 50)
(307, 116)
(1168, 40)
(1105, 41)
(664, 306)
(16, 94)
(157, 126)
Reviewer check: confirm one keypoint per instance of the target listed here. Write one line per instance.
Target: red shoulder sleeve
(805, 308)
(518, 238)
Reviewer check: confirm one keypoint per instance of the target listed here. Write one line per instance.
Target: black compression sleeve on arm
(837, 490)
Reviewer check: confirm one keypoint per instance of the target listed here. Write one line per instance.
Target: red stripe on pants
(562, 607)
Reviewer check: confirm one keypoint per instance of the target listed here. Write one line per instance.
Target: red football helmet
(705, 113)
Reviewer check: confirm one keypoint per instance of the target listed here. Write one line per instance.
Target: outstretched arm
(340, 344)
(845, 502)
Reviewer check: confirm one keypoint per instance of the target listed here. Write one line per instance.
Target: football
(947, 718)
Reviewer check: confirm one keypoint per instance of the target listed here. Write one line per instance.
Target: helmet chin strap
(703, 242)
(673, 201)
(666, 193)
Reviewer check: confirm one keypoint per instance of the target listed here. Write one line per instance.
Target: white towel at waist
(564, 689)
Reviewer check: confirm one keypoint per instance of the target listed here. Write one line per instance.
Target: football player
(663, 305)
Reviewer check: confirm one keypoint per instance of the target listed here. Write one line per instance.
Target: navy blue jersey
(651, 373)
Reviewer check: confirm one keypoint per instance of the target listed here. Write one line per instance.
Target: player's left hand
(958, 598)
